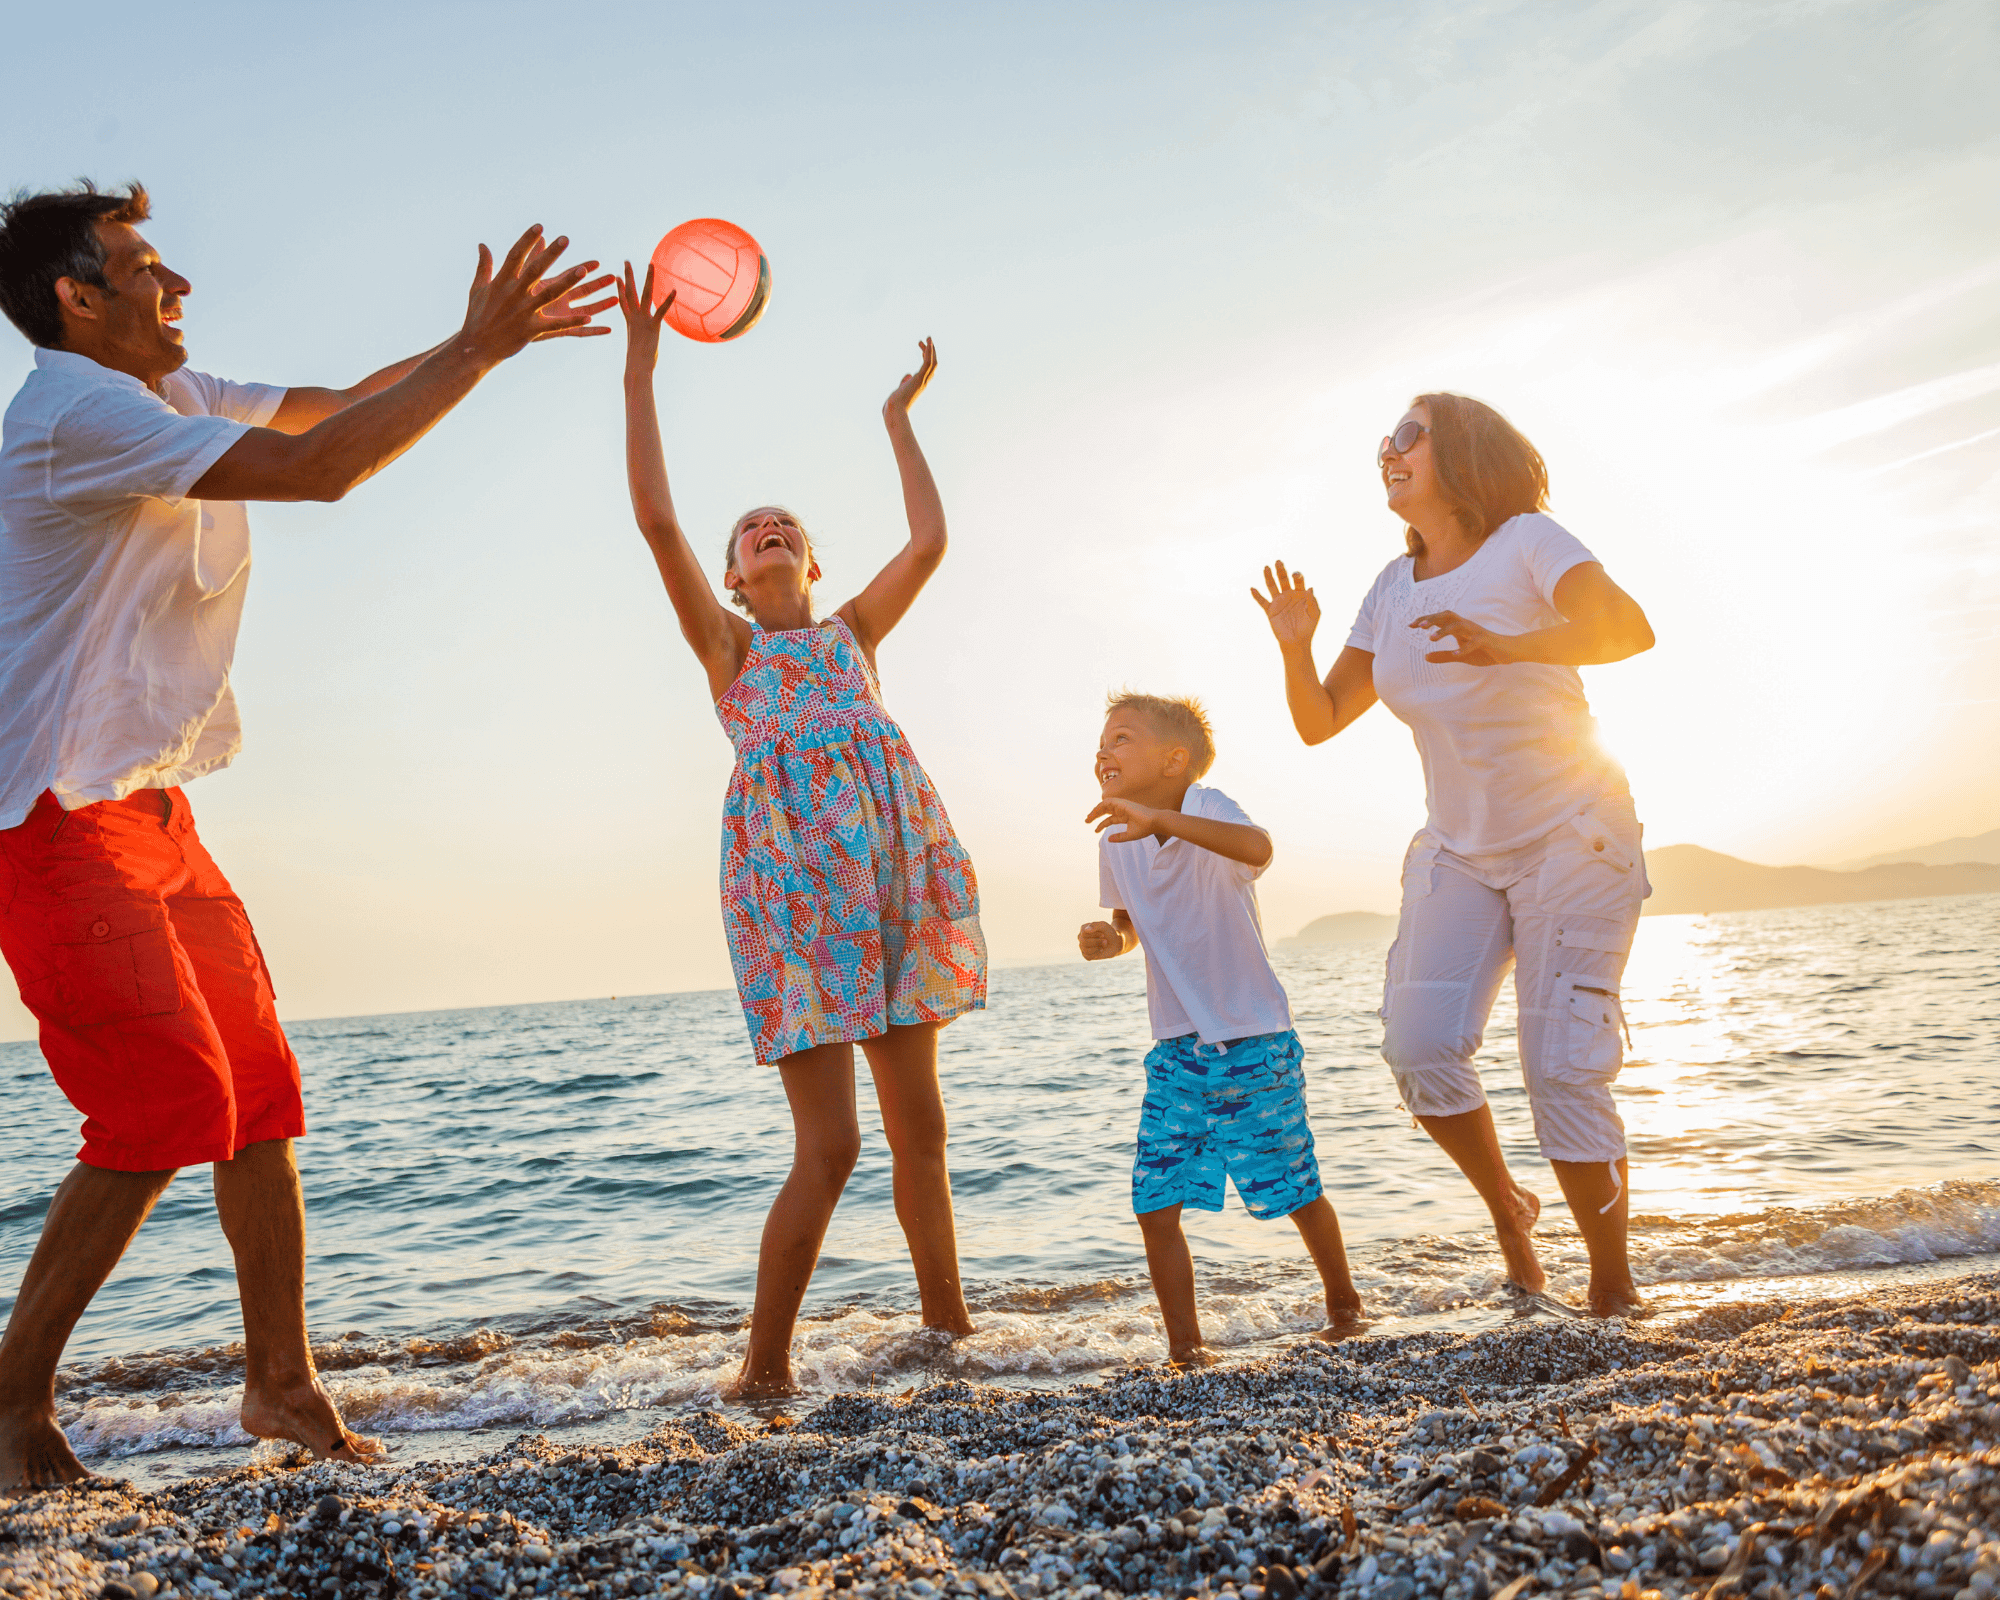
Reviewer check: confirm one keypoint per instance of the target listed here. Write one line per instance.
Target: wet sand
(1830, 1447)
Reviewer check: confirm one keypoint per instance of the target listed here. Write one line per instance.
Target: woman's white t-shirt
(1510, 753)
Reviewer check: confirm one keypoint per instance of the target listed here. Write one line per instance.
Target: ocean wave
(588, 1370)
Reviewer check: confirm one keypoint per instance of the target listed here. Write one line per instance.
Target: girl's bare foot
(1514, 1227)
(771, 1386)
(34, 1452)
(304, 1413)
(1191, 1355)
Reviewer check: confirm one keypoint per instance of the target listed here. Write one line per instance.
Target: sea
(545, 1217)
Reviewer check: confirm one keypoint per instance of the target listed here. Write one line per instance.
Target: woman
(1531, 854)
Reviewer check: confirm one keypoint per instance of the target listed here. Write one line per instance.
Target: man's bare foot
(1191, 1355)
(304, 1413)
(34, 1453)
(1515, 1228)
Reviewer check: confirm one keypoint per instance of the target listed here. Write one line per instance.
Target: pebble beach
(1835, 1447)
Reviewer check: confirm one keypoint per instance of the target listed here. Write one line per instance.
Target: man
(124, 551)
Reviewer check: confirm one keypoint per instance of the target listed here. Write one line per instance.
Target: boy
(1225, 1085)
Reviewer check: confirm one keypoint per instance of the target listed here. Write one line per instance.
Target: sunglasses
(1399, 442)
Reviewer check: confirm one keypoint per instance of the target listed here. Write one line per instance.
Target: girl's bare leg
(826, 1141)
(1171, 1267)
(1471, 1141)
(1320, 1228)
(904, 1063)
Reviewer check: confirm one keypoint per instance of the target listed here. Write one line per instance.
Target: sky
(1734, 268)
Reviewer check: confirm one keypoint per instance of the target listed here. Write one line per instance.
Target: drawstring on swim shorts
(1617, 1188)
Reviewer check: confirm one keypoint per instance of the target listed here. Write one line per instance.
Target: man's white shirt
(119, 595)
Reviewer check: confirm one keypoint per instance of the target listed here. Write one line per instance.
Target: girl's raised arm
(880, 606)
(719, 640)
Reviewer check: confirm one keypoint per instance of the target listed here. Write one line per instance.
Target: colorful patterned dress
(849, 903)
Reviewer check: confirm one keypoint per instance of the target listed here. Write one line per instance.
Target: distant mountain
(1689, 878)
(1945, 853)
(1346, 927)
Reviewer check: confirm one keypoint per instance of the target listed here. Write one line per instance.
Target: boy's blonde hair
(1179, 717)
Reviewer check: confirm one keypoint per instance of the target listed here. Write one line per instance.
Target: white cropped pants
(1561, 912)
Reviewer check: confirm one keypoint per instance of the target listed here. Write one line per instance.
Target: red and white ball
(718, 276)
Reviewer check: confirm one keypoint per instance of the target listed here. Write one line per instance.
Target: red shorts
(136, 957)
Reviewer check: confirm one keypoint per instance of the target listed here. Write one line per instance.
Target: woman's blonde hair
(1485, 465)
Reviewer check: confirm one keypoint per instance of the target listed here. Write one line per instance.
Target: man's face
(134, 327)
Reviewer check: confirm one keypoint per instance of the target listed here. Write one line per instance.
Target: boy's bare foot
(1343, 1322)
(1192, 1355)
(34, 1452)
(304, 1413)
(957, 1328)
(1514, 1227)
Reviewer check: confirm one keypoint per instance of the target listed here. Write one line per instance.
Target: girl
(851, 908)
(1531, 856)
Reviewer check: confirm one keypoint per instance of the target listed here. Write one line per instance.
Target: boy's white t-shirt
(1510, 753)
(1207, 972)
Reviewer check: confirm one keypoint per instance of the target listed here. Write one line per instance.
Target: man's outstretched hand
(516, 303)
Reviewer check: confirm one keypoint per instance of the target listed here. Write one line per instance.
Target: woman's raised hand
(904, 395)
(1292, 610)
(642, 326)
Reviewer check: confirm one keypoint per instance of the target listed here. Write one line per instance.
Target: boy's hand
(1139, 822)
(1099, 941)
(642, 326)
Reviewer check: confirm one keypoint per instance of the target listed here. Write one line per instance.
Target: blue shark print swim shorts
(1237, 1108)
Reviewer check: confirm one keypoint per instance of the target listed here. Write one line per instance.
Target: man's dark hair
(48, 236)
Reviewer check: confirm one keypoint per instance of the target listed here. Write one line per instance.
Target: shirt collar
(83, 370)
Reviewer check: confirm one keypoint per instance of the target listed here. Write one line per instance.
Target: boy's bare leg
(1600, 1212)
(263, 1216)
(1171, 1267)
(904, 1064)
(826, 1142)
(1472, 1143)
(1320, 1229)
(91, 1220)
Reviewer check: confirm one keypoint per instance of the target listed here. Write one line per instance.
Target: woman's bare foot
(304, 1413)
(34, 1452)
(1191, 1355)
(1515, 1230)
(1620, 1300)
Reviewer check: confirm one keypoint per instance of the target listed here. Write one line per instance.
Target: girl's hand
(1099, 941)
(642, 326)
(1292, 610)
(1139, 822)
(1477, 646)
(904, 395)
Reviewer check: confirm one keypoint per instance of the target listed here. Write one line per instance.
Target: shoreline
(1853, 1439)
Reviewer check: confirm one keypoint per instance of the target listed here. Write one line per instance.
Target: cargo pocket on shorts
(1593, 1043)
(1419, 876)
(114, 963)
